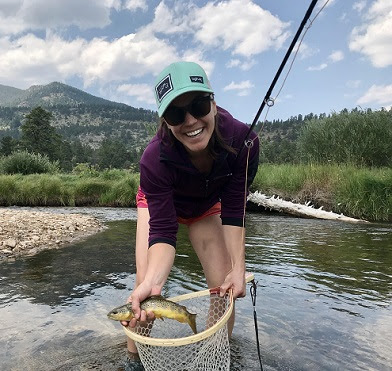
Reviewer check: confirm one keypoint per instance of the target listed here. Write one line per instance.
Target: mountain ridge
(52, 94)
(77, 115)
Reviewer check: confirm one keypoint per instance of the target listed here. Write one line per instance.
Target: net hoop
(173, 342)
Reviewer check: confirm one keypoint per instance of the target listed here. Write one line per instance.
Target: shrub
(23, 162)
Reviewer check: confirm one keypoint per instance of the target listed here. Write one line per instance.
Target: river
(323, 300)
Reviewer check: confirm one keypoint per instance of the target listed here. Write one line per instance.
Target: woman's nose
(189, 119)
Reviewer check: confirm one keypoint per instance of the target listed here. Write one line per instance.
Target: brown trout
(160, 306)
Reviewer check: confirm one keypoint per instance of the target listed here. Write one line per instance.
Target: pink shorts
(141, 201)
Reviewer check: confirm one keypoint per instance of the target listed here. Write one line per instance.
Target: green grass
(99, 189)
(354, 191)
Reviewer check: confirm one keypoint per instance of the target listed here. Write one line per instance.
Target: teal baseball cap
(179, 78)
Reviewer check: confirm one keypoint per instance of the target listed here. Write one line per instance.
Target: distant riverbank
(363, 193)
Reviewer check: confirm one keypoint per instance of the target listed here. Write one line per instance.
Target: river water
(323, 300)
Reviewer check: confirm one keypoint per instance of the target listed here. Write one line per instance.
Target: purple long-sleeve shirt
(175, 188)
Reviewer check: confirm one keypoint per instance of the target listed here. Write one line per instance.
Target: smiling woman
(192, 172)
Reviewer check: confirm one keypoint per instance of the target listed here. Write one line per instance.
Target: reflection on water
(324, 297)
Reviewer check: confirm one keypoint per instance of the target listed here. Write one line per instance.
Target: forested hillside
(106, 134)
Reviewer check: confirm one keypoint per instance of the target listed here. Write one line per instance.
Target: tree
(112, 154)
(38, 136)
(7, 145)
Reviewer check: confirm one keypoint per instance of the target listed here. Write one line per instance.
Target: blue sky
(115, 48)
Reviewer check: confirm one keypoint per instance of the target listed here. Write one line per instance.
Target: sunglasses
(199, 107)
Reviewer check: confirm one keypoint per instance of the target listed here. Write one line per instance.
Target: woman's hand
(234, 280)
(142, 292)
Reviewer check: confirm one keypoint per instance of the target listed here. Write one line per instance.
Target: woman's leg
(206, 236)
(142, 230)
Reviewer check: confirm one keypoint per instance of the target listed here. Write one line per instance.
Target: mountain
(77, 115)
(53, 94)
(8, 94)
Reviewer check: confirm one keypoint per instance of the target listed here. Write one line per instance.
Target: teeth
(193, 133)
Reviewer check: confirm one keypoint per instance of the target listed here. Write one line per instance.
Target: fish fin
(192, 322)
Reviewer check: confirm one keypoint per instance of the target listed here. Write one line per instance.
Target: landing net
(171, 345)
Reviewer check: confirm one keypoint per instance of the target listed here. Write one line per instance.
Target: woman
(193, 172)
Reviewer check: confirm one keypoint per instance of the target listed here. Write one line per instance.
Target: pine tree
(38, 136)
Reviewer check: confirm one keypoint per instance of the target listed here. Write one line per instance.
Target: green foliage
(366, 194)
(88, 191)
(85, 170)
(112, 154)
(358, 192)
(8, 190)
(38, 136)
(7, 145)
(25, 163)
(122, 192)
(357, 137)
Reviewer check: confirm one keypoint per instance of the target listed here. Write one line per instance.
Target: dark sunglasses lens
(174, 116)
(200, 107)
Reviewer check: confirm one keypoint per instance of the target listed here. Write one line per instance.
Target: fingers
(224, 288)
(135, 306)
(239, 291)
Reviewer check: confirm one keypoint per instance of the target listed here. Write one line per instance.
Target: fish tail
(192, 322)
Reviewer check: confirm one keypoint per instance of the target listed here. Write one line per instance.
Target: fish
(160, 306)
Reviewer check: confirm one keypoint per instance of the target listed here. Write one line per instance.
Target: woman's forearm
(160, 258)
(235, 244)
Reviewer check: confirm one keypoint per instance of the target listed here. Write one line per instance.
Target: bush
(357, 137)
(23, 162)
(122, 192)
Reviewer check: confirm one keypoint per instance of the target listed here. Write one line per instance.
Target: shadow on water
(324, 297)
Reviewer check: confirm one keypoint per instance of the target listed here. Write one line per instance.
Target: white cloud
(171, 20)
(318, 68)
(243, 65)
(359, 5)
(336, 56)
(142, 92)
(135, 5)
(32, 60)
(305, 51)
(374, 37)
(243, 88)
(379, 94)
(25, 15)
(238, 25)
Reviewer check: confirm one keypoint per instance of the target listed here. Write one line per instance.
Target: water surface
(323, 303)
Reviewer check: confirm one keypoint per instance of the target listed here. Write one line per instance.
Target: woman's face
(194, 133)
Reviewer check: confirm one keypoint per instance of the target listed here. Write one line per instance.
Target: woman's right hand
(140, 293)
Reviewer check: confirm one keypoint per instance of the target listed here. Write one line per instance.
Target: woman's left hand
(234, 280)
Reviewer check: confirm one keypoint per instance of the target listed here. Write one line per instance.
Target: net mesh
(171, 345)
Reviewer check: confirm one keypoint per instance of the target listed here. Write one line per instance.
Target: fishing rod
(248, 143)
(267, 99)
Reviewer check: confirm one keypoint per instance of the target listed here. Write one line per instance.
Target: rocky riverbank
(25, 232)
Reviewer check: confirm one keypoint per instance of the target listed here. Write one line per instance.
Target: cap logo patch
(164, 87)
(198, 79)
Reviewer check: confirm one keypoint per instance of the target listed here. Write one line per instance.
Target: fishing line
(269, 102)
